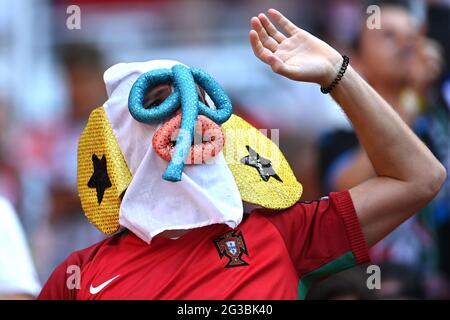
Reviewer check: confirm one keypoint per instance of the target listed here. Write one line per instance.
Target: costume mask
(138, 167)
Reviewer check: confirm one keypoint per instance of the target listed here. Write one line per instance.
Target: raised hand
(298, 55)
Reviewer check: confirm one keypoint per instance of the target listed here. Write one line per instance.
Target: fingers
(267, 41)
(270, 28)
(265, 55)
(283, 22)
(268, 34)
(258, 49)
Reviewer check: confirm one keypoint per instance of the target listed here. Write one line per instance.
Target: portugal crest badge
(232, 245)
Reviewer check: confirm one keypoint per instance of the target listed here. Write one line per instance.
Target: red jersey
(270, 255)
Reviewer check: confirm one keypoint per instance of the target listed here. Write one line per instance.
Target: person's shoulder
(304, 209)
(56, 287)
(294, 207)
(83, 256)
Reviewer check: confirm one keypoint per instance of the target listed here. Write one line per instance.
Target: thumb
(276, 64)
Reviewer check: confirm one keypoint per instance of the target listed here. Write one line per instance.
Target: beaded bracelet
(338, 77)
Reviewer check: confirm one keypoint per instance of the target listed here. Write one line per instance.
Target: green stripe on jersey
(339, 264)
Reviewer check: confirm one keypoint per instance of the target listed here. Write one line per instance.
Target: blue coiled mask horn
(184, 82)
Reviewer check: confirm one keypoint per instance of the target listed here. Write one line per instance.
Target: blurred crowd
(51, 78)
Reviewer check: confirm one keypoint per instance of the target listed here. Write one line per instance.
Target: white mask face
(207, 193)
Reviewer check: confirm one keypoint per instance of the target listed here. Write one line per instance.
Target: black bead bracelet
(338, 77)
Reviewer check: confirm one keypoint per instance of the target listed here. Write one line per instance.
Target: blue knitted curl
(185, 93)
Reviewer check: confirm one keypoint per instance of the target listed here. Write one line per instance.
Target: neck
(172, 234)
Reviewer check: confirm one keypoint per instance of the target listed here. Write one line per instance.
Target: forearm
(393, 149)
(358, 170)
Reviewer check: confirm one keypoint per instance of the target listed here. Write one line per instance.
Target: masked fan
(165, 166)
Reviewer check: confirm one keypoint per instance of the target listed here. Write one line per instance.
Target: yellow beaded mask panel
(103, 174)
(261, 172)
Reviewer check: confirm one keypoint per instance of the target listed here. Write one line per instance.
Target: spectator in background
(383, 56)
(388, 59)
(18, 277)
(62, 227)
(432, 124)
(9, 181)
(83, 68)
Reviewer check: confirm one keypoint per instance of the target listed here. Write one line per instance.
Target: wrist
(338, 77)
(332, 70)
(349, 80)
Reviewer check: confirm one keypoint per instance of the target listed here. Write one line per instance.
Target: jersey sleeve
(57, 286)
(65, 281)
(322, 237)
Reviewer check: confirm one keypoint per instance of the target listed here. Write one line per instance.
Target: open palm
(298, 56)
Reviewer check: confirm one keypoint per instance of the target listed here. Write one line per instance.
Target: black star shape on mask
(99, 180)
(263, 165)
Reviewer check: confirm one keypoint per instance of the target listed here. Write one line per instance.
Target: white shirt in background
(17, 271)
